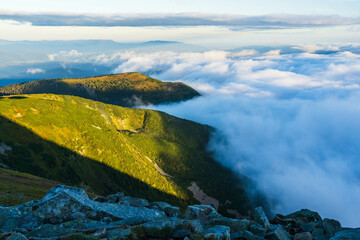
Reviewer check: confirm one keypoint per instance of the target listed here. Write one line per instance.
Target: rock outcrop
(68, 213)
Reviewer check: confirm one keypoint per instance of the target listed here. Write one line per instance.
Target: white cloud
(223, 70)
(67, 56)
(35, 70)
(245, 52)
(177, 19)
(289, 123)
(348, 54)
(273, 53)
(13, 22)
(52, 56)
(311, 48)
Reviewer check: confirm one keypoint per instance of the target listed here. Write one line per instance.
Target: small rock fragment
(16, 236)
(245, 235)
(277, 234)
(218, 233)
(119, 233)
(114, 198)
(331, 227)
(257, 229)
(351, 234)
(261, 218)
(303, 236)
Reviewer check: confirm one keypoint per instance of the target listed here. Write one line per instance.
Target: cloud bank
(35, 70)
(179, 19)
(288, 121)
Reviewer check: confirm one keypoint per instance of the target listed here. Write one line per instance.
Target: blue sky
(212, 23)
(254, 7)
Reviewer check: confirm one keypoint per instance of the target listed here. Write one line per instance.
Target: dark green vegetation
(16, 187)
(127, 89)
(110, 148)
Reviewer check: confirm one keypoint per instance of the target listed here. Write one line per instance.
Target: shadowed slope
(17, 187)
(127, 89)
(32, 154)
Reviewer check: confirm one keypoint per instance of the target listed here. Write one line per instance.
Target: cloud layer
(288, 121)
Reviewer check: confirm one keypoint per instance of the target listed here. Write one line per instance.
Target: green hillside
(126, 89)
(110, 148)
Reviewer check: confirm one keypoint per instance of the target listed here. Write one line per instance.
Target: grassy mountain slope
(141, 152)
(126, 89)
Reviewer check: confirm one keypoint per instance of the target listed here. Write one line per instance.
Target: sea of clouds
(289, 117)
(290, 121)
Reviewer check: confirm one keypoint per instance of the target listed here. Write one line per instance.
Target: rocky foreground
(68, 213)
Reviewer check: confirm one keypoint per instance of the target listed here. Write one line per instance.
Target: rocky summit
(68, 213)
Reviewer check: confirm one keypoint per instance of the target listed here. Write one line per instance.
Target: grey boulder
(261, 218)
(351, 234)
(218, 233)
(63, 203)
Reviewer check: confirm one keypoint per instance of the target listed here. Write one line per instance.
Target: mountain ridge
(126, 89)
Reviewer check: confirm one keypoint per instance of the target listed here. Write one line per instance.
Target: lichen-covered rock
(202, 212)
(331, 227)
(245, 235)
(168, 227)
(309, 227)
(16, 236)
(257, 229)
(277, 234)
(83, 224)
(50, 231)
(100, 199)
(303, 236)
(318, 233)
(261, 218)
(181, 233)
(351, 234)
(63, 203)
(301, 221)
(119, 233)
(100, 233)
(217, 233)
(73, 236)
(134, 202)
(169, 210)
(160, 229)
(114, 198)
(12, 218)
(235, 225)
(299, 217)
(133, 221)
